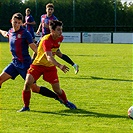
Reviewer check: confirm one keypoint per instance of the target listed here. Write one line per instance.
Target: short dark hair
(53, 24)
(18, 15)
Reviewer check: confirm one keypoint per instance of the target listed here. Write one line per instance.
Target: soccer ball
(130, 112)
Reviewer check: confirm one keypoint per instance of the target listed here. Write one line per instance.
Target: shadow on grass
(90, 55)
(75, 112)
(81, 113)
(114, 79)
(98, 78)
(87, 55)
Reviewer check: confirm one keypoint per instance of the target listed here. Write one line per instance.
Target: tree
(76, 15)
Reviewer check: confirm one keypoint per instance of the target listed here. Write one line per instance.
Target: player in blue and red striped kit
(20, 40)
(29, 22)
(44, 26)
(45, 20)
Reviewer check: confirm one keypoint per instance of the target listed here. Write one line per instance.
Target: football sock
(0, 86)
(67, 59)
(26, 95)
(63, 97)
(48, 93)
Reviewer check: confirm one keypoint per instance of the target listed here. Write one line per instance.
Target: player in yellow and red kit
(45, 64)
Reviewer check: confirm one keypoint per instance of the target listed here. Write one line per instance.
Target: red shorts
(49, 73)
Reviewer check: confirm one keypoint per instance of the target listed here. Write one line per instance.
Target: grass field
(102, 91)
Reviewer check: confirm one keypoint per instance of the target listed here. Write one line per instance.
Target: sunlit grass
(102, 91)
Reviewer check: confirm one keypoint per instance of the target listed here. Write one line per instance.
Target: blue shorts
(15, 71)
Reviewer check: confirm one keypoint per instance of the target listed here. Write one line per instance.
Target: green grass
(102, 91)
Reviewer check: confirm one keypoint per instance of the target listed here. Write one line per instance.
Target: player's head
(49, 9)
(27, 11)
(56, 27)
(16, 21)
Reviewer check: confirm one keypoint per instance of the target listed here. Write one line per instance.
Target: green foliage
(77, 15)
(102, 91)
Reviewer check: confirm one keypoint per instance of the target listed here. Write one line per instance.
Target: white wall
(122, 37)
(96, 37)
(69, 37)
(88, 37)
(72, 37)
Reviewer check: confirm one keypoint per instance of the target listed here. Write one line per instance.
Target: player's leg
(64, 57)
(52, 77)
(33, 74)
(62, 96)
(44, 91)
(3, 77)
(60, 92)
(68, 60)
(26, 93)
(8, 72)
(41, 90)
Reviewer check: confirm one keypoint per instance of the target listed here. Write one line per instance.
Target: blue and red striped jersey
(29, 27)
(46, 19)
(19, 45)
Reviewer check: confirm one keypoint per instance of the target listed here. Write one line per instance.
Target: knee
(35, 88)
(27, 86)
(59, 54)
(59, 91)
(56, 88)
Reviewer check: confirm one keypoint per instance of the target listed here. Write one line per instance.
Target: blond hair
(50, 5)
(28, 9)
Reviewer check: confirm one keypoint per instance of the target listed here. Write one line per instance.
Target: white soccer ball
(130, 112)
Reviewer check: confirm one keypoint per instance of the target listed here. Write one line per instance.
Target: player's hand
(24, 24)
(38, 32)
(64, 68)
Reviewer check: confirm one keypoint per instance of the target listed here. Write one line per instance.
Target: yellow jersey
(47, 44)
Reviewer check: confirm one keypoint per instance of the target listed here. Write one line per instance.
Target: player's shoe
(76, 68)
(70, 105)
(24, 109)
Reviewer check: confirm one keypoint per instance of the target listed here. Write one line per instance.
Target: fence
(92, 37)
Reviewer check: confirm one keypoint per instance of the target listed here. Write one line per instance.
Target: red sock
(63, 97)
(26, 97)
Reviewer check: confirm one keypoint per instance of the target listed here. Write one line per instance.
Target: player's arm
(58, 53)
(4, 33)
(32, 23)
(33, 47)
(39, 29)
(50, 58)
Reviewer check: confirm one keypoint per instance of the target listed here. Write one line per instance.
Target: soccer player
(45, 64)
(44, 26)
(29, 22)
(20, 40)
